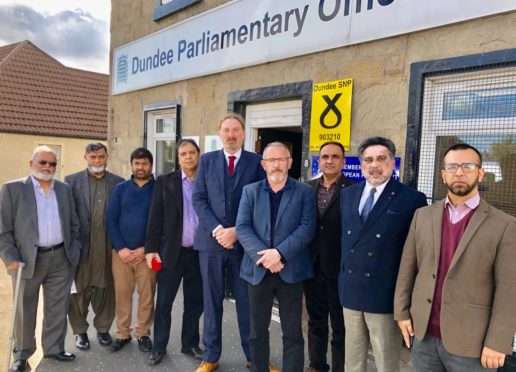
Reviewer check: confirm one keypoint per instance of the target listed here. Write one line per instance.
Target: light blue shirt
(49, 223)
(367, 191)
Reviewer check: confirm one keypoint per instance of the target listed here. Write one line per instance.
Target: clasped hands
(271, 260)
(132, 255)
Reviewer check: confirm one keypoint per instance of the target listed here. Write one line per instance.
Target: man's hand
(270, 259)
(226, 237)
(150, 256)
(139, 254)
(276, 268)
(13, 266)
(406, 330)
(491, 358)
(126, 255)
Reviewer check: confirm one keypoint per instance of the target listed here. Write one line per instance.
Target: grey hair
(375, 141)
(43, 148)
(276, 144)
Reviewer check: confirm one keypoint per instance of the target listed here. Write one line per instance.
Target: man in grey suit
(39, 226)
(91, 189)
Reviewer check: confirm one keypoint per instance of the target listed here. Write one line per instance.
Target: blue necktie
(368, 206)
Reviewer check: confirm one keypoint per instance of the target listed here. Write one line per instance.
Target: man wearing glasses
(275, 224)
(39, 227)
(456, 289)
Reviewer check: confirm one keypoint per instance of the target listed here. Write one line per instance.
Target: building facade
(425, 74)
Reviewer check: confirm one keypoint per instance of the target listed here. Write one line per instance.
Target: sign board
(244, 33)
(331, 113)
(352, 169)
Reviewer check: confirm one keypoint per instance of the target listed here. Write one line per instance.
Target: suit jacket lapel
(479, 215)
(241, 166)
(178, 192)
(357, 222)
(437, 225)
(28, 191)
(85, 190)
(61, 202)
(388, 194)
(285, 201)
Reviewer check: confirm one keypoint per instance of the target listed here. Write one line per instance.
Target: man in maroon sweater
(456, 289)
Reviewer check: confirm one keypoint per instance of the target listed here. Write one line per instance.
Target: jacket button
(367, 275)
(349, 232)
(369, 254)
(350, 271)
(352, 250)
(429, 300)
(433, 276)
(378, 236)
(322, 227)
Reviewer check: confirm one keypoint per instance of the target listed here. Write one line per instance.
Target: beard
(96, 170)
(277, 176)
(42, 176)
(461, 190)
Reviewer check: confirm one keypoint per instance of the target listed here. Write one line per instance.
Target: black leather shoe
(82, 341)
(155, 357)
(104, 338)
(119, 343)
(63, 356)
(145, 344)
(20, 365)
(194, 352)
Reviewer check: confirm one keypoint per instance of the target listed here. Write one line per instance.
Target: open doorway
(292, 137)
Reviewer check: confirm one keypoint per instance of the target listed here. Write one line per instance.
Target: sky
(75, 32)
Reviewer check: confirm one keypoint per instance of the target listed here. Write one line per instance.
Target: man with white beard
(91, 189)
(39, 227)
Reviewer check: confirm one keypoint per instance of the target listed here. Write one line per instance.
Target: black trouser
(168, 282)
(322, 299)
(290, 300)
(510, 364)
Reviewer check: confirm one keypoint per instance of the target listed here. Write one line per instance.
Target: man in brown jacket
(456, 288)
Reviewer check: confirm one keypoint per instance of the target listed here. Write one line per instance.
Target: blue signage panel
(352, 169)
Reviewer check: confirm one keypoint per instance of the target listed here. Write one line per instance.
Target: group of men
(363, 255)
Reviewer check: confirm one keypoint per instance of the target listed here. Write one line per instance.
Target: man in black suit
(170, 235)
(321, 291)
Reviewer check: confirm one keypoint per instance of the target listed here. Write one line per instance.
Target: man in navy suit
(220, 179)
(275, 224)
(375, 216)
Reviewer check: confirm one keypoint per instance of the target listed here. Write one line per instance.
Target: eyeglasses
(466, 167)
(52, 164)
(274, 160)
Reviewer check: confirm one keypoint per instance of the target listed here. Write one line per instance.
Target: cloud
(72, 36)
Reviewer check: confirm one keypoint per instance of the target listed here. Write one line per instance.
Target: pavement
(130, 358)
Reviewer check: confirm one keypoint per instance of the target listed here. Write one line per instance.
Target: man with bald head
(39, 226)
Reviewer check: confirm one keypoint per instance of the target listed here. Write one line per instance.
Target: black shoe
(119, 343)
(104, 338)
(155, 357)
(145, 344)
(20, 365)
(194, 352)
(82, 341)
(63, 356)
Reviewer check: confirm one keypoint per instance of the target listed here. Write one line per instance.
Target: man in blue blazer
(275, 224)
(220, 179)
(375, 216)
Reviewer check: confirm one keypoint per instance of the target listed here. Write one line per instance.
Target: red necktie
(231, 166)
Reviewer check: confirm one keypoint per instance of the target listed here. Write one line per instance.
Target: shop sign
(331, 113)
(244, 33)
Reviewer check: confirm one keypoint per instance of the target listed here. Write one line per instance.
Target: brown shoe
(207, 367)
(273, 369)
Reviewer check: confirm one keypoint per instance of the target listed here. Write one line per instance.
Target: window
(474, 106)
(166, 7)
(161, 139)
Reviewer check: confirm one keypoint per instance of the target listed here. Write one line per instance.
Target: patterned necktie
(368, 205)
(231, 166)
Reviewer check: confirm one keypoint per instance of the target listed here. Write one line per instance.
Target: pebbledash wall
(389, 74)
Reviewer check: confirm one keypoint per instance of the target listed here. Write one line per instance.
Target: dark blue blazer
(209, 194)
(295, 227)
(371, 253)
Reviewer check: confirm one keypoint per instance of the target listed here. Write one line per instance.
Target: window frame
(163, 10)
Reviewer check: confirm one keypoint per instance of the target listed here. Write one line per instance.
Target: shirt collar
(236, 154)
(471, 203)
(36, 185)
(379, 189)
(321, 181)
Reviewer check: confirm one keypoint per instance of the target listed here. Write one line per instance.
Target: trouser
(383, 333)
(127, 276)
(102, 301)
(187, 269)
(290, 300)
(322, 300)
(431, 356)
(213, 266)
(53, 273)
